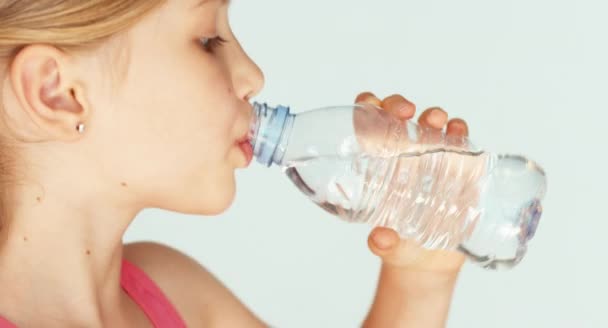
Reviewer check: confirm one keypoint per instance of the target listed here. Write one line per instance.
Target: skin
(78, 193)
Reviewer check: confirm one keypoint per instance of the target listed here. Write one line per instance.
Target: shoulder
(199, 296)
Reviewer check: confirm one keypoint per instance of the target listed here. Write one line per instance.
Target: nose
(247, 77)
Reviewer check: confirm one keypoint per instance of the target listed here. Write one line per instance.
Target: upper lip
(246, 137)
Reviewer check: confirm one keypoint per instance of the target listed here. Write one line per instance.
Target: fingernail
(440, 111)
(438, 115)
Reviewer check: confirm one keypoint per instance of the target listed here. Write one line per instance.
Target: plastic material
(363, 165)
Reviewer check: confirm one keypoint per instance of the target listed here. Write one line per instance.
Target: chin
(217, 206)
(213, 200)
(206, 194)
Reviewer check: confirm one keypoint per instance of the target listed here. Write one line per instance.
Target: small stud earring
(80, 128)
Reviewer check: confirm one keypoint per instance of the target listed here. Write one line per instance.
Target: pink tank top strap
(149, 297)
(6, 324)
(146, 294)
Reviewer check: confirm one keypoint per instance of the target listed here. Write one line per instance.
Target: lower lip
(247, 150)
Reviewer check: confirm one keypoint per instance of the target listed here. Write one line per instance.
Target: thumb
(383, 241)
(387, 244)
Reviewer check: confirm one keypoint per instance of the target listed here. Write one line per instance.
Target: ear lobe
(42, 84)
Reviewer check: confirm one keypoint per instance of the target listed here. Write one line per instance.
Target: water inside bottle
(443, 199)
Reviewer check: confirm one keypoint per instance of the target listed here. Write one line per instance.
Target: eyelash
(210, 44)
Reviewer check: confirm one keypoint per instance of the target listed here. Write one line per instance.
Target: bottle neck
(269, 131)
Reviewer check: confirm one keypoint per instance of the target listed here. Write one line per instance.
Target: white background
(530, 76)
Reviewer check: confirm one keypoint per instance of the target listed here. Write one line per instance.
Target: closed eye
(211, 44)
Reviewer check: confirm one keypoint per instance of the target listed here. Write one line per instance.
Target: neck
(61, 252)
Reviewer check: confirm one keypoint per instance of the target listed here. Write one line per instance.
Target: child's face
(171, 128)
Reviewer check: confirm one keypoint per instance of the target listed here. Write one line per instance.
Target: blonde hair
(69, 25)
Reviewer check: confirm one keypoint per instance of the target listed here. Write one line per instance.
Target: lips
(245, 145)
(245, 138)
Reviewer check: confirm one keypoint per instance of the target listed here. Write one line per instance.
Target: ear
(44, 85)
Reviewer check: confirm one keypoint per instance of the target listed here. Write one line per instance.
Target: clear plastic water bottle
(363, 165)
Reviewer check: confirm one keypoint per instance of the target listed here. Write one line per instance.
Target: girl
(103, 104)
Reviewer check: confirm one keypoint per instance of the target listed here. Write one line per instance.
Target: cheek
(173, 118)
(186, 100)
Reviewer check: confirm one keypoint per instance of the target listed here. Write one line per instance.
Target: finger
(368, 98)
(398, 106)
(434, 117)
(457, 132)
(400, 253)
(386, 244)
(457, 127)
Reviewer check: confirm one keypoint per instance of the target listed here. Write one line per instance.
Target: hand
(406, 255)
